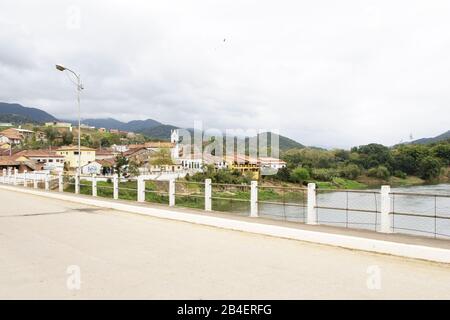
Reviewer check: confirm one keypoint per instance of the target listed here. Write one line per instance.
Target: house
(102, 130)
(14, 162)
(191, 161)
(119, 147)
(105, 153)
(11, 136)
(25, 133)
(6, 124)
(57, 124)
(157, 145)
(244, 164)
(46, 159)
(139, 155)
(273, 163)
(71, 155)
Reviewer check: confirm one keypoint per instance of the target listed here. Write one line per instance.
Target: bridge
(56, 248)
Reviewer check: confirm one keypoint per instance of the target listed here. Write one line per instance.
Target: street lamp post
(79, 88)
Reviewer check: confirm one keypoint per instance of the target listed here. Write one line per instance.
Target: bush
(350, 171)
(299, 175)
(429, 168)
(400, 174)
(323, 174)
(380, 172)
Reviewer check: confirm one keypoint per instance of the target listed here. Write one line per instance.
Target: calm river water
(421, 213)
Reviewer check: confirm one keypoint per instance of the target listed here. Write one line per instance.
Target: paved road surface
(122, 255)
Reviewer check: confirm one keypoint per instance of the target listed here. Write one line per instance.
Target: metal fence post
(77, 183)
(172, 192)
(311, 215)
(254, 199)
(94, 185)
(115, 186)
(60, 182)
(208, 194)
(25, 183)
(46, 182)
(140, 189)
(385, 220)
(35, 182)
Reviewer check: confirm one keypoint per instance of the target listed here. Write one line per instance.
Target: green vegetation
(366, 166)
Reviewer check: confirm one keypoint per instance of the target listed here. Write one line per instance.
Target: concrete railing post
(46, 182)
(94, 185)
(25, 182)
(172, 192)
(4, 176)
(77, 183)
(254, 199)
(208, 194)
(115, 187)
(15, 177)
(60, 182)
(140, 189)
(35, 181)
(385, 220)
(311, 214)
(9, 176)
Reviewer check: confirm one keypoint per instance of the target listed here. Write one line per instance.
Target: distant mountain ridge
(442, 137)
(110, 123)
(18, 114)
(23, 114)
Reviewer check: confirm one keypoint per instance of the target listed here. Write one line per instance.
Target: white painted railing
(383, 213)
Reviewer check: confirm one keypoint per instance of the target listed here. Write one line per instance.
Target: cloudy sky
(327, 73)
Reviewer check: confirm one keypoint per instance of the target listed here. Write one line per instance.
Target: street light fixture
(79, 88)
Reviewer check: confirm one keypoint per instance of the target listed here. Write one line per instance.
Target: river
(412, 214)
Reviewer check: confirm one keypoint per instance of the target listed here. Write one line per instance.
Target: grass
(341, 183)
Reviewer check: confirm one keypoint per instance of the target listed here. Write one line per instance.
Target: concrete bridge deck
(122, 255)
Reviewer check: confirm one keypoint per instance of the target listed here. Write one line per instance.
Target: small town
(53, 149)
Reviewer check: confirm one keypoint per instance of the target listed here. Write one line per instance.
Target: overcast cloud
(327, 73)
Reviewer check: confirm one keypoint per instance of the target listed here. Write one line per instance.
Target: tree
(299, 175)
(429, 168)
(121, 164)
(442, 151)
(67, 138)
(133, 168)
(162, 157)
(51, 134)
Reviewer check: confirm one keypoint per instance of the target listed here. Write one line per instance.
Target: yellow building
(70, 154)
(244, 164)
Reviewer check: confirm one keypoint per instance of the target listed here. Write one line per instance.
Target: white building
(49, 160)
(91, 168)
(273, 163)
